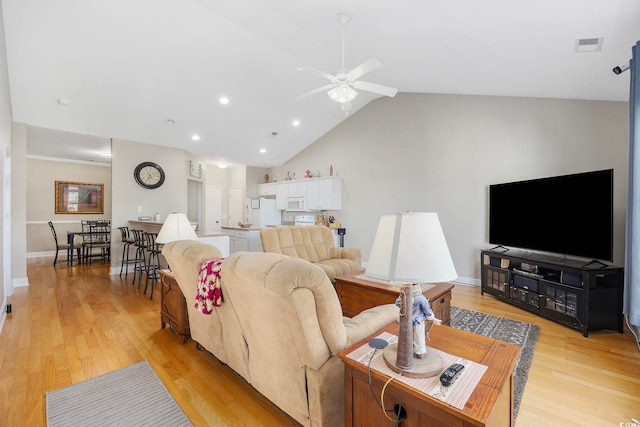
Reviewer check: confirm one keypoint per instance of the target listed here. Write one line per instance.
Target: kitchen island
(243, 239)
(218, 239)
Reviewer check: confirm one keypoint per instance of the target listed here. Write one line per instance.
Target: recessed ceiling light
(263, 150)
(296, 123)
(195, 137)
(224, 100)
(222, 166)
(170, 121)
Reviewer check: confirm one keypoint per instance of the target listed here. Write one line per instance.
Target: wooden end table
(490, 404)
(173, 306)
(357, 294)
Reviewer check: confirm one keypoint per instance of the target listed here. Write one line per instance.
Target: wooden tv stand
(586, 296)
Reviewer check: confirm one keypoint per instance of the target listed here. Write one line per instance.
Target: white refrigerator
(264, 213)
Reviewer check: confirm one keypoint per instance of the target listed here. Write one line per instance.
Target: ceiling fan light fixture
(342, 93)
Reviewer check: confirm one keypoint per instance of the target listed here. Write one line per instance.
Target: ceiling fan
(343, 82)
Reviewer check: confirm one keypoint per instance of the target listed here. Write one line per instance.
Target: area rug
(523, 334)
(130, 396)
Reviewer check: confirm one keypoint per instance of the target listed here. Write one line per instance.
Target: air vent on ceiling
(593, 44)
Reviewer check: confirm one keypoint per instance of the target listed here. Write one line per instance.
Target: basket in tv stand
(583, 296)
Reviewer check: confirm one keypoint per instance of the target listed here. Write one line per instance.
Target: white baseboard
(19, 282)
(467, 281)
(41, 254)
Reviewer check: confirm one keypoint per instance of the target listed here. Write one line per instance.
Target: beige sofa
(314, 244)
(280, 327)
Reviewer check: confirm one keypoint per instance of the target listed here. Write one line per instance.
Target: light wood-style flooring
(74, 323)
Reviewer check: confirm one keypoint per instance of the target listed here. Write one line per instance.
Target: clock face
(149, 175)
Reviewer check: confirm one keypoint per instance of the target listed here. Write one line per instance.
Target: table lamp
(176, 227)
(410, 248)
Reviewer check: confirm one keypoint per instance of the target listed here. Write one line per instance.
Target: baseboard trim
(467, 281)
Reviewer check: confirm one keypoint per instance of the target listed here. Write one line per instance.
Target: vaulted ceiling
(153, 71)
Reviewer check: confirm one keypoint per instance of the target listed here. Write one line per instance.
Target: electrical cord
(398, 418)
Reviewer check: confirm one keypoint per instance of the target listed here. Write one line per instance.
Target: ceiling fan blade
(376, 88)
(313, 92)
(363, 69)
(318, 72)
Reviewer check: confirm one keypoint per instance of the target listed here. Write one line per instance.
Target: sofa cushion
(311, 243)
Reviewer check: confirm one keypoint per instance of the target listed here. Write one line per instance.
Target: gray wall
(439, 153)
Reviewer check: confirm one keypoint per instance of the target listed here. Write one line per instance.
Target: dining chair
(63, 246)
(96, 235)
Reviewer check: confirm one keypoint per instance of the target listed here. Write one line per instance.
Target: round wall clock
(149, 175)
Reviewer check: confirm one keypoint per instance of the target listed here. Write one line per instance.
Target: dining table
(71, 240)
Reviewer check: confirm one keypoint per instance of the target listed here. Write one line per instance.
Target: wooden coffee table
(358, 293)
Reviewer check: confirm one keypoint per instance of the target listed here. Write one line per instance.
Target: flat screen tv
(568, 214)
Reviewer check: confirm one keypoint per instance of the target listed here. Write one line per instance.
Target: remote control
(452, 372)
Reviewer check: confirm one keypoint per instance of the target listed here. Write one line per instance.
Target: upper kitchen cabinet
(324, 193)
(297, 188)
(282, 195)
(267, 190)
(315, 193)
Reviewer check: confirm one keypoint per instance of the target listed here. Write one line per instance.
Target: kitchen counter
(202, 234)
(237, 227)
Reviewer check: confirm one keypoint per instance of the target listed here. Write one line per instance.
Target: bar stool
(153, 262)
(139, 264)
(127, 241)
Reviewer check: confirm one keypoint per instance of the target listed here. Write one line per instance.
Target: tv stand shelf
(586, 296)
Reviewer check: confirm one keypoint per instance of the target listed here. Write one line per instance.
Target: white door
(213, 202)
(236, 205)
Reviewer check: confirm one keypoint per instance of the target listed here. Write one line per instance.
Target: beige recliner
(314, 244)
(280, 327)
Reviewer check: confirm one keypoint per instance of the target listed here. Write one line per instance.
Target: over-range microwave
(296, 204)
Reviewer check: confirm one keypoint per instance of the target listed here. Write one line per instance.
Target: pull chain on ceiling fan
(341, 89)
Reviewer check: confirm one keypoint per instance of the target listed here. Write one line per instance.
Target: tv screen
(569, 214)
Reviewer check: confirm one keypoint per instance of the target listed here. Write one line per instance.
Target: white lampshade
(410, 248)
(176, 227)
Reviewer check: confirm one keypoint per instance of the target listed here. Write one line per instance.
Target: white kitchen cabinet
(282, 193)
(297, 189)
(244, 240)
(324, 193)
(266, 190)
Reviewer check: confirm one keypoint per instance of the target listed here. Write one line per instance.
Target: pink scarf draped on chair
(209, 293)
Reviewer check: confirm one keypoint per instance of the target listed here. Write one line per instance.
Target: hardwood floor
(74, 323)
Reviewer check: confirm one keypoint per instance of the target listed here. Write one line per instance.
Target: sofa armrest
(369, 321)
(354, 254)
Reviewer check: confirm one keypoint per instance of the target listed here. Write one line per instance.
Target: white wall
(5, 181)
(127, 195)
(439, 153)
(39, 176)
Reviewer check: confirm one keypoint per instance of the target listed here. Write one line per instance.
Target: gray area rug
(523, 334)
(130, 396)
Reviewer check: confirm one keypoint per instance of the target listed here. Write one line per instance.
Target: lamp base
(430, 366)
